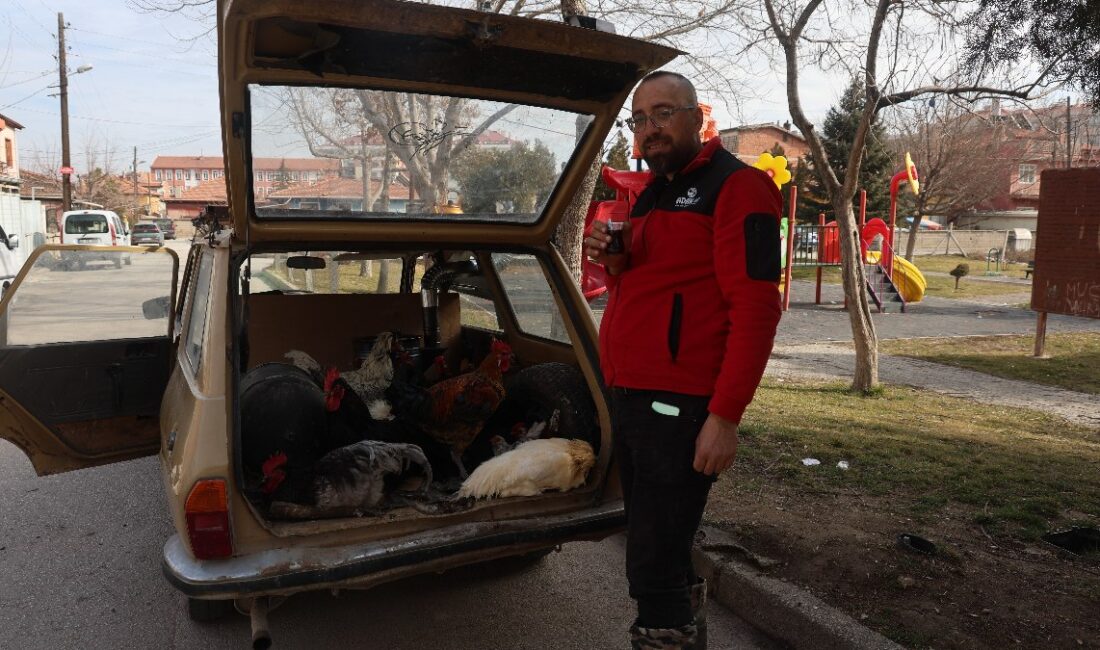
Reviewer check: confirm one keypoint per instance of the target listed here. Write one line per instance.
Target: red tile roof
(259, 164)
(338, 188)
(211, 191)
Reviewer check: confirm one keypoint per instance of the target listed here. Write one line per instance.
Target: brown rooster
(454, 411)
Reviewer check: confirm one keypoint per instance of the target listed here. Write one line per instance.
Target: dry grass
(1016, 471)
(1073, 363)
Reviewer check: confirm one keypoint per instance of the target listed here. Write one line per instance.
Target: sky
(153, 85)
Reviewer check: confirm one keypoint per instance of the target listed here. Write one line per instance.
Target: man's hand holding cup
(608, 243)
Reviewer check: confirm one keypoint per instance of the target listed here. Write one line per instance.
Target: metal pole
(66, 182)
(1040, 334)
(820, 252)
(135, 186)
(790, 248)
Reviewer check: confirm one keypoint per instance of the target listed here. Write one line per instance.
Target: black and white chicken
(368, 382)
(350, 481)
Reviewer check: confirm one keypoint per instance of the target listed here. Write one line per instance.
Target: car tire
(208, 611)
(558, 386)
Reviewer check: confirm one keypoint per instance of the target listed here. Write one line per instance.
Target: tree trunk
(911, 242)
(864, 338)
(569, 237)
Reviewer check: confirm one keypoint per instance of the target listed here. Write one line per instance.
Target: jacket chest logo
(690, 198)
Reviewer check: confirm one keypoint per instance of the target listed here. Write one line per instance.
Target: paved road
(79, 568)
(806, 322)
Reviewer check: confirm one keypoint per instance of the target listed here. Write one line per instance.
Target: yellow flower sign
(774, 166)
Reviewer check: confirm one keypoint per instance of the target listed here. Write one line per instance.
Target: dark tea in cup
(616, 245)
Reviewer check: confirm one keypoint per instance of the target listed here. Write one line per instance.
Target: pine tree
(812, 198)
(838, 132)
(618, 157)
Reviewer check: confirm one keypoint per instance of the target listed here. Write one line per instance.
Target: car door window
(530, 295)
(196, 321)
(90, 295)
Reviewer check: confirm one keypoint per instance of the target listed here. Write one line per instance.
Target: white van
(96, 228)
(9, 263)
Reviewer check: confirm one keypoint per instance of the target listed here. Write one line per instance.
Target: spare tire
(282, 410)
(540, 390)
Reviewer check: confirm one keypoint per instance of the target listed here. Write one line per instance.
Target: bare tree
(960, 157)
(898, 60)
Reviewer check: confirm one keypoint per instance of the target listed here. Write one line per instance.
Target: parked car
(94, 228)
(211, 386)
(146, 233)
(167, 226)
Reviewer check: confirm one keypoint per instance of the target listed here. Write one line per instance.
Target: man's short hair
(680, 80)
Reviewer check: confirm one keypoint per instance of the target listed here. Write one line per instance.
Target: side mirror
(13, 242)
(155, 308)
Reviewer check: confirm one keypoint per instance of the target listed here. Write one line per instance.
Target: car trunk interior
(332, 306)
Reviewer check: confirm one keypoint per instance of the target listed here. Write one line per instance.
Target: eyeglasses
(660, 118)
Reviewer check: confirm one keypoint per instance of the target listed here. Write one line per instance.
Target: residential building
(191, 201)
(177, 174)
(1032, 140)
(337, 194)
(747, 142)
(9, 156)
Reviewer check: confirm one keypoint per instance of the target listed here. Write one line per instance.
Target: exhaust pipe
(430, 302)
(261, 635)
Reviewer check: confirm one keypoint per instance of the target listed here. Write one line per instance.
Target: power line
(25, 98)
(29, 79)
(110, 121)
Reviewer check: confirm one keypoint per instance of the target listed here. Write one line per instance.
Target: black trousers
(664, 496)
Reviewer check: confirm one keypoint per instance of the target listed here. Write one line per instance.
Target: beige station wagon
(429, 154)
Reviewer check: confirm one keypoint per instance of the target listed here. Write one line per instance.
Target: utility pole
(66, 178)
(135, 187)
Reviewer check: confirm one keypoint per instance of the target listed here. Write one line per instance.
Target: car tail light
(207, 512)
(114, 235)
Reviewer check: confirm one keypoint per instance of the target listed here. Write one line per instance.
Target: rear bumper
(303, 568)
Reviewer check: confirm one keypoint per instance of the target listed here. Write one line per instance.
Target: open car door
(85, 350)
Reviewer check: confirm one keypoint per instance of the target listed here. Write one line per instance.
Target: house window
(179, 174)
(9, 156)
(1027, 173)
(206, 174)
(158, 175)
(270, 176)
(187, 174)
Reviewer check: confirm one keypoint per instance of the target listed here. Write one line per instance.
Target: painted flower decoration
(774, 166)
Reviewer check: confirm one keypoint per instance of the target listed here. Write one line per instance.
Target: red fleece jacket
(696, 310)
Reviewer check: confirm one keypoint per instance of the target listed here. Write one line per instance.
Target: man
(687, 332)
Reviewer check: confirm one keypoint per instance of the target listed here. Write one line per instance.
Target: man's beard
(663, 164)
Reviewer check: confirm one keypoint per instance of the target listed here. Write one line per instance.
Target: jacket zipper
(674, 325)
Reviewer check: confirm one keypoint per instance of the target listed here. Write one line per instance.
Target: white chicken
(530, 469)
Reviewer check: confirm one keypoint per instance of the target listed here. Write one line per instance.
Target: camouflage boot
(699, 611)
(668, 638)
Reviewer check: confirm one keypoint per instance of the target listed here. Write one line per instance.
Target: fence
(26, 219)
(972, 243)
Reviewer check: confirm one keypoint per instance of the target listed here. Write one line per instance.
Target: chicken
(348, 481)
(454, 411)
(530, 469)
(369, 382)
(520, 433)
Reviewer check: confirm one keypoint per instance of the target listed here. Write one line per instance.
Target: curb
(778, 608)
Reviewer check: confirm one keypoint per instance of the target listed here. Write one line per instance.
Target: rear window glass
(86, 224)
(145, 227)
(353, 154)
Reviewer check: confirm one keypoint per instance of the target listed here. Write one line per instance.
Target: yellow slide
(908, 279)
